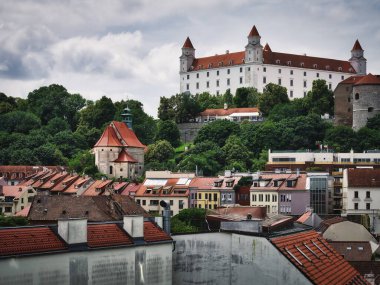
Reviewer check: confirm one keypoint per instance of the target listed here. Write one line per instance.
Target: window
(274, 198)
(357, 96)
(208, 74)
(279, 70)
(217, 73)
(187, 86)
(153, 202)
(304, 73)
(264, 80)
(260, 197)
(267, 197)
(291, 94)
(180, 204)
(254, 197)
(111, 169)
(264, 69)
(188, 76)
(342, 77)
(208, 84)
(144, 202)
(317, 74)
(370, 109)
(228, 71)
(330, 76)
(348, 99)
(241, 80)
(197, 85)
(368, 206)
(197, 75)
(368, 194)
(171, 202)
(215, 197)
(217, 92)
(356, 206)
(291, 72)
(228, 81)
(279, 81)
(206, 196)
(249, 69)
(330, 86)
(241, 69)
(199, 196)
(8, 209)
(192, 195)
(282, 198)
(217, 83)
(356, 194)
(305, 84)
(291, 82)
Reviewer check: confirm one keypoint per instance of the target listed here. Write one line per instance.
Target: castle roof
(124, 156)
(187, 43)
(357, 46)
(369, 79)
(118, 134)
(275, 58)
(254, 32)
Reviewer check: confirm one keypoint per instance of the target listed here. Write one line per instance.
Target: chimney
(73, 231)
(134, 225)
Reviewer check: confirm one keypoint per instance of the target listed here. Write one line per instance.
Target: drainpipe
(166, 215)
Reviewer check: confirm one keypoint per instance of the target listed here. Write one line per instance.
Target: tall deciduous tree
(320, 100)
(273, 94)
(217, 132)
(20, 122)
(168, 130)
(97, 114)
(246, 97)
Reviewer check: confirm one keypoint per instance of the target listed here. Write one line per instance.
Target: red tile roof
(73, 188)
(362, 177)
(64, 184)
(316, 259)
(103, 235)
(154, 233)
(24, 212)
(97, 188)
(124, 156)
(53, 180)
(228, 59)
(14, 191)
(253, 32)
(128, 137)
(357, 46)
(108, 138)
(300, 182)
(353, 250)
(352, 79)
(324, 225)
(187, 43)
(304, 217)
(131, 188)
(369, 79)
(267, 48)
(229, 111)
(203, 183)
(27, 240)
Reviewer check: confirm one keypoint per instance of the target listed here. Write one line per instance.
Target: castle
(257, 66)
(118, 152)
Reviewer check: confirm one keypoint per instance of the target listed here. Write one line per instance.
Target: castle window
(304, 73)
(279, 81)
(197, 75)
(217, 73)
(342, 77)
(228, 81)
(208, 84)
(304, 94)
(264, 80)
(241, 80)
(330, 86)
(188, 76)
(279, 71)
(228, 71)
(208, 74)
(357, 96)
(217, 92)
(278, 61)
(197, 85)
(305, 84)
(217, 83)
(330, 76)
(291, 94)
(302, 64)
(121, 169)
(291, 82)
(249, 69)
(317, 74)
(264, 69)
(315, 66)
(111, 149)
(187, 86)
(241, 69)
(370, 109)
(291, 72)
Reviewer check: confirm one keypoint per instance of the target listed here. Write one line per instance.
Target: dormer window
(230, 182)
(302, 64)
(220, 63)
(230, 62)
(210, 65)
(327, 67)
(289, 63)
(340, 68)
(350, 69)
(243, 60)
(218, 183)
(315, 65)
(277, 61)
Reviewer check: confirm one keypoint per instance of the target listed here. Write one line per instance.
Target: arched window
(357, 96)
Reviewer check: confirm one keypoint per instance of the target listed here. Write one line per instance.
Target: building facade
(257, 66)
(14, 199)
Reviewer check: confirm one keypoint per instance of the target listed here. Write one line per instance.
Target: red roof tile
(324, 225)
(154, 233)
(228, 59)
(64, 184)
(131, 188)
(24, 212)
(108, 138)
(127, 136)
(304, 217)
(53, 180)
(102, 235)
(353, 250)
(203, 183)
(27, 240)
(316, 259)
(97, 188)
(254, 32)
(369, 79)
(226, 112)
(124, 156)
(14, 191)
(362, 177)
(352, 79)
(187, 43)
(267, 48)
(73, 188)
(357, 46)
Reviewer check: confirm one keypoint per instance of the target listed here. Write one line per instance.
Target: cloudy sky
(130, 48)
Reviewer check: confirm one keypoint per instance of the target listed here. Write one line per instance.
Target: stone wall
(188, 131)
(366, 104)
(343, 105)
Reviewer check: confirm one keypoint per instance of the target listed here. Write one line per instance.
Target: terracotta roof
(203, 183)
(353, 250)
(226, 112)
(300, 182)
(128, 137)
(187, 43)
(267, 48)
(64, 184)
(352, 79)
(103, 235)
(14, 191)
(48, 209)
(74, 187)
(26, 240)
(275, 58)
(362, 177)
(324, 225)
(119, 185)
(368, 267)
(24, 212)
(97, 188)
(357, 46)
(53, 180)
(153, 233)
(369, 79)
(316, 259)
(108, 138)
(124, 156)
(131, 188)
(253, 32)
(304, 217)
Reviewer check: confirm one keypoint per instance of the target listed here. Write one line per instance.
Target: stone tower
(357, 60)
(127, 117)
(366, 100)
(187, 57)
(254, 50)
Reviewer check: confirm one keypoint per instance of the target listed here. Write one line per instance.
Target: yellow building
(15, 198)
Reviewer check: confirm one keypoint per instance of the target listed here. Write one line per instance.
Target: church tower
(127, 117)
(187, 57)
(254, 50)
(357, 60)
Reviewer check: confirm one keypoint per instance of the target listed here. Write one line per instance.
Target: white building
(258, 66)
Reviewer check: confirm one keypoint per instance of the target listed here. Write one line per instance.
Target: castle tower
(187, 57)
(127, 117)
(254, 50)
(357, 60)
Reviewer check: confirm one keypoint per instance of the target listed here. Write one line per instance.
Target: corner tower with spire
(254, 50)
(187, 57)
(357, 60)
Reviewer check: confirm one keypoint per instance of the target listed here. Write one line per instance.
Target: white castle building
(258, 66)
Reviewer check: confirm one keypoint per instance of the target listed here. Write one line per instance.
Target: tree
(246, 97)
(69, 143)
(217, 132)
(368, 139)
(23, 156)
(84, 163)
(235, 152)
(294, 108)
(341, 138)
(48, 154)
(228, 98)
(57, 125)
(18, 121)
(166, 109)
(186, 107)
(189, 220)
(206, 163)
(168, 130)
(97, 114)
(320, 100)
(160, 151)
(91, 136)
(207, 101)
(7, 104)
(273, 94)
(374, 123)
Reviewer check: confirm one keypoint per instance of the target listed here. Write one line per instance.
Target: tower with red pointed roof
(187, 57)
(118, 152)
(357, 60)
(254, 50)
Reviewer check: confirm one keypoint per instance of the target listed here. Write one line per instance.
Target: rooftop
(363, 177)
